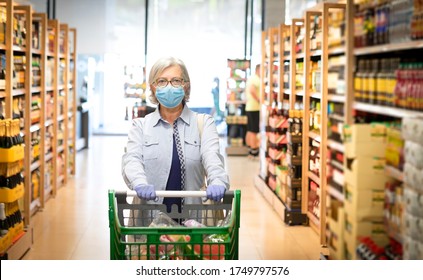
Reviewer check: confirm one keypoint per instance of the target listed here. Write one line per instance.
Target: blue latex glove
(215, 192)
(146, 192)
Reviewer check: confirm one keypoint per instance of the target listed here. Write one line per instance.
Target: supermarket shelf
(35, 206)
(336, 117)
(337, 50)
(340, 98)
(49, 156)
(335, 193)
(269, 195)
(35, 89)
(18, 92)
(337, 164)
(394, 173)
(21, 246)
(336, 146)
(35, 165)
(316, 53)
(391, 47)
(60, 149)
(48, 123)
(315, 136)
(314, 222)
(386, 111)
(18, 49)
(34, 128)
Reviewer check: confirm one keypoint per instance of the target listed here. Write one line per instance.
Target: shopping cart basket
(132, 238)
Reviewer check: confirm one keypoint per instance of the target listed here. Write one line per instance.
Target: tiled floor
(74, 224)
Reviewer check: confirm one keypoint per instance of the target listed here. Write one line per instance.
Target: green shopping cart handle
(174, 193)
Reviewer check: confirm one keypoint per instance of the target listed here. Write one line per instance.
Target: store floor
(74, 224)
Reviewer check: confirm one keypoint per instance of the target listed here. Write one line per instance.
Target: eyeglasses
(175, 82)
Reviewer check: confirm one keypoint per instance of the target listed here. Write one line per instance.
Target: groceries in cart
(178, 246)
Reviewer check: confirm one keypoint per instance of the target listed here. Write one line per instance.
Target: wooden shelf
(389, 48)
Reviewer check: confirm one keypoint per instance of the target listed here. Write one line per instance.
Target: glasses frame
(169, 81)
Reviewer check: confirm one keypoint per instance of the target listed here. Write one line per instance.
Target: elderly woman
(165, 150)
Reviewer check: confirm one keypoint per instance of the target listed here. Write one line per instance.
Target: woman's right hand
(146, 192)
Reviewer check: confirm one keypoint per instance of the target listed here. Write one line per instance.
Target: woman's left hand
(215, 192)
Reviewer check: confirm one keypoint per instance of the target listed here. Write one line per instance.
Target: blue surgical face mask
(170, 96)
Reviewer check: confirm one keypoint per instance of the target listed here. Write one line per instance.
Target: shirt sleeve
(212, 159)
(132, 160)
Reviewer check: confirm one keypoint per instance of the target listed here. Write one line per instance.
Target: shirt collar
(185, 115)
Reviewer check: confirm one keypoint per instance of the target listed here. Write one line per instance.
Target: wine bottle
(4, 224)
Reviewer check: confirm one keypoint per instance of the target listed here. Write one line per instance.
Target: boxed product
(413, 226)
(364, 203)
(413, 249)
(365, 140)
(413, 177)
(366, 172)
(412, 129)
(413, 154)
(413, 202)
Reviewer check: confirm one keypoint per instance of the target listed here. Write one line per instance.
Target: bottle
(372, 85)
(381, 82)
(4, 224)
(365, 83)
(392, 81)
(358, 81)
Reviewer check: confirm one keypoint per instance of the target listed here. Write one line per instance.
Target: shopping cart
(132, 238)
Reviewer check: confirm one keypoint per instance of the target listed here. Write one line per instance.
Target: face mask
(169, 96)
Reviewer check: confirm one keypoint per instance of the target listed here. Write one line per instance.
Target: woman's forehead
(172, 70)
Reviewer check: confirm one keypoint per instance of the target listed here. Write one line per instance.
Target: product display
(236, 120)
(355, 172)
(35, 63)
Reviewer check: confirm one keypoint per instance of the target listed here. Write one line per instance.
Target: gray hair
(161, 65)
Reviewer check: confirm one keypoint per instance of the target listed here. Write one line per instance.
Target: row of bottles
(18, 71)
(10, 133)
(383, 22)
(10, 174)
(390, 82)
(10, 217)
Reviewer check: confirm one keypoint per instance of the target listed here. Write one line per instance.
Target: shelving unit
(390, 53)
(15, 53)
(63, 107)
(71, 102)
(29, 94)
(315, 140)
(37, 113)
(280, 163)
(236, 120)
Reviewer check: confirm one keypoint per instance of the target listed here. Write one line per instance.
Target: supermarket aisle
(74, 225)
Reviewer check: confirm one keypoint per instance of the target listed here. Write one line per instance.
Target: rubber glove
(146, 192)
(215, 192)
